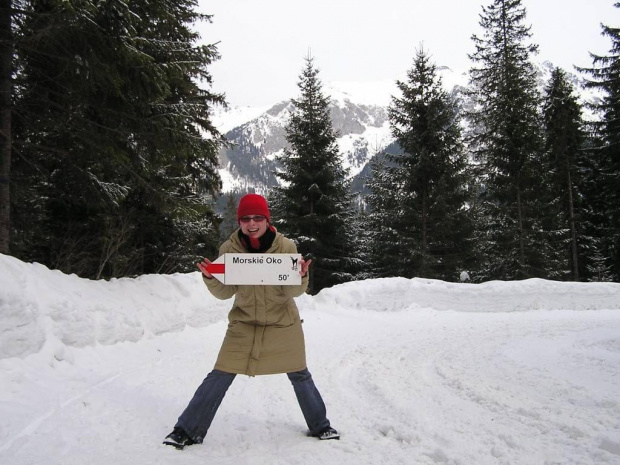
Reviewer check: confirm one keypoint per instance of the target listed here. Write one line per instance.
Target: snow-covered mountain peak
(251, 162)
(226, 119)
(375, 93)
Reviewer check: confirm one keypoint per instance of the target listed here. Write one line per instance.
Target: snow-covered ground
(412, 371)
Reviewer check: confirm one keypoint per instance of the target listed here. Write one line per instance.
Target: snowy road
(404, 382)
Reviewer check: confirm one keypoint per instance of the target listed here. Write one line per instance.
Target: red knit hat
(253, 204)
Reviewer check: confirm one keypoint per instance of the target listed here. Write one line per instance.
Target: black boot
(179, 439)
(326, 433)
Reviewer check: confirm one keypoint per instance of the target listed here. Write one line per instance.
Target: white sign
(278, 269)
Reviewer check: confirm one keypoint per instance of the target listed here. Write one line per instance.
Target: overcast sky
(263, 42)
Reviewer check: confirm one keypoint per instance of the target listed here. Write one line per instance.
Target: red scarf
(258, 244)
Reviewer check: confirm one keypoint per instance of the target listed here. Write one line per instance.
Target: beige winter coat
(264, 333)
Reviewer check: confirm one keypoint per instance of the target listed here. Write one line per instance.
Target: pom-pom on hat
(253, 204)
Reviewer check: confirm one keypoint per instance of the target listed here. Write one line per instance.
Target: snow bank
(390, 294)
(40, 306)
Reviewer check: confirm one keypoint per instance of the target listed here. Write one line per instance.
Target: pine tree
(506, 141)
(564, 144)
(118, 156)
(382, 246)
(419, 196)
(314, 204)
(229, 218)
(604, 174)
(6, 88)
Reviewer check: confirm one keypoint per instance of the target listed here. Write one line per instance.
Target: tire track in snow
(136, 369)
(379, 380)
(447, 388)
(35, 424)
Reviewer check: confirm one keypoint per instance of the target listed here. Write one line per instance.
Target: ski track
(424, 387)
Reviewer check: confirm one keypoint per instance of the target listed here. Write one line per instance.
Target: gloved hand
(202, 266)
(303, 267)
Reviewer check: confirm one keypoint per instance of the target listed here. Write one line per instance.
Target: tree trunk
(521, 234)
(573, 232)
(424, 222)
(6, 61)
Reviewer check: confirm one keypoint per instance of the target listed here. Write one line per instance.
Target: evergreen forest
(109, 155)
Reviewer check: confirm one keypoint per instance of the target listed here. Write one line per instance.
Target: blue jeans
(199, 413)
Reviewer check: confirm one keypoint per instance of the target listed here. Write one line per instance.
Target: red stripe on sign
(216, 268)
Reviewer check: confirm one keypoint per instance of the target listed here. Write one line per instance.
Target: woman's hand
(303, 267)
(202, 266)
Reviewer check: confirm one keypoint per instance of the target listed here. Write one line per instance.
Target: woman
(264, 333)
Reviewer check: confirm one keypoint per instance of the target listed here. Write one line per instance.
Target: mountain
(359, 115)
(250, 162)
